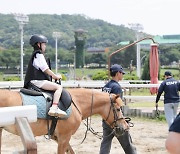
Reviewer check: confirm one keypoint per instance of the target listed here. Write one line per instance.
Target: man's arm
(160, 91)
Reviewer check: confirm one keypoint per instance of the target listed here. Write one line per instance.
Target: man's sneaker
(56, 112)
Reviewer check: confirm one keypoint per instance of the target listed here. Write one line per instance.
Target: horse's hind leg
(0, 138)
(70, 150)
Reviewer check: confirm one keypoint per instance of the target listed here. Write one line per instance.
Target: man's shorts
(175, 127)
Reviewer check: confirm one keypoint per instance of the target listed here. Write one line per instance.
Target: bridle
(115, 111)
(118, 130)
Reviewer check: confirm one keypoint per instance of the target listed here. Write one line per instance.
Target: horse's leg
(0, 138)
(70, 150)
(63, 143)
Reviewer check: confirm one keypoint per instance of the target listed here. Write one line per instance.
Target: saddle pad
(42, 106)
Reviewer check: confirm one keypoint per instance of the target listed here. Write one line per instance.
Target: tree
(98, 59)
(129, 54)
(146, 74)
(10, 58)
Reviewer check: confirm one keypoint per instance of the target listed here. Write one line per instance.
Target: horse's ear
(119, 100)
(118, 95)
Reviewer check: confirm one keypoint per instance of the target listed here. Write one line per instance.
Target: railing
(81, 84)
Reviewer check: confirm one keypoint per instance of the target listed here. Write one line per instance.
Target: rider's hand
(58, 77)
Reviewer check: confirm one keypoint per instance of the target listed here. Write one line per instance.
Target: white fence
(94, 84)
(81, 84)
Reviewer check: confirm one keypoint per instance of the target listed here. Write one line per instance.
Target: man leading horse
(116, 72)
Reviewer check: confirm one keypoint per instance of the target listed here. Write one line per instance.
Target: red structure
(154, 67)
(127, 46)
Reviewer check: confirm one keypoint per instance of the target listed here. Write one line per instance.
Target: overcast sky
(158, 17)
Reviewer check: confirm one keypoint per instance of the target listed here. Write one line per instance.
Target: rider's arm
(51, 73)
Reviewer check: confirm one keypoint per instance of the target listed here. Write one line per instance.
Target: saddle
(64, 101)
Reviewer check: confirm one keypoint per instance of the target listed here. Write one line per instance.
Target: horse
(86, 102)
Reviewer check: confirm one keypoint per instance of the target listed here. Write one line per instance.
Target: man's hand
(156, 105)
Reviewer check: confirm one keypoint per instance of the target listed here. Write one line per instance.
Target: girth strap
(52, 127)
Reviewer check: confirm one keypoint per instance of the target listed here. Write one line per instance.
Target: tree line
(99, 34)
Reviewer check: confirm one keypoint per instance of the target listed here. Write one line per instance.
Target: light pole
(22, 20)
(137, 28)
(56, 35)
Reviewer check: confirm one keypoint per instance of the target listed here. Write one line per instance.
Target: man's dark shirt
(171, 89)
(175, 127)
(113, 87)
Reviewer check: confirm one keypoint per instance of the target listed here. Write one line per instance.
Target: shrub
(11, 78)
(130, 77)
(102, 75)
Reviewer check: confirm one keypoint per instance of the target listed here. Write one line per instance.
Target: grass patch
(140, 92)
(161, 119)
(145, 104)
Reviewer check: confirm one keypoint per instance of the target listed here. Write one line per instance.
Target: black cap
(168, 73)
(117, 68)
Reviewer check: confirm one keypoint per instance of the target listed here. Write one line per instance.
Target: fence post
(26, 134)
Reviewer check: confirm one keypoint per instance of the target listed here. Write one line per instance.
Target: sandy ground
(148, 137)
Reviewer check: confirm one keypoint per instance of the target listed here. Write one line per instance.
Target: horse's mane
(87, 92)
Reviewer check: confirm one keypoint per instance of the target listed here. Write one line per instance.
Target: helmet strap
(40, 46)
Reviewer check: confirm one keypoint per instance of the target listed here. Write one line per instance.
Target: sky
(157, 17)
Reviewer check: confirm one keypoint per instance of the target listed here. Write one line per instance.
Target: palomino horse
(87, 102)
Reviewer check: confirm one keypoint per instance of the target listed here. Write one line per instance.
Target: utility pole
(56, 35)
(137, 28)
(22, 20)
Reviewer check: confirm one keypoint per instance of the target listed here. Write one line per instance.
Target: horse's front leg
(63, 144)
(70, 150)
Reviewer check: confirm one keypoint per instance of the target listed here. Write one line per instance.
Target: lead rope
(88, 125)
(157, 111)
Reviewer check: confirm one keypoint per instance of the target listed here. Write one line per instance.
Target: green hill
(100, 33)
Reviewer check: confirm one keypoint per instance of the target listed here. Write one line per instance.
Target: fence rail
(80, 84)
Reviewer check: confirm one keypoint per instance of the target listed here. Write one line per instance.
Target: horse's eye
(118, 109)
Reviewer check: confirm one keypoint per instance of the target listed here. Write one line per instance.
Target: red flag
(154, 67)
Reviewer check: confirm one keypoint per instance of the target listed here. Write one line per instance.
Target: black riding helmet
(37, 39)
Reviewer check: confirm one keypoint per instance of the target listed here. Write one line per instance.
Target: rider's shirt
(33, 73)
(39, 62)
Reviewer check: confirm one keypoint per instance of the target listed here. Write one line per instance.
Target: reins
(116, 118)
(88, 125)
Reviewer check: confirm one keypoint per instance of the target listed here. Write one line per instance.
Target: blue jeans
(170, 110)
(125, 141)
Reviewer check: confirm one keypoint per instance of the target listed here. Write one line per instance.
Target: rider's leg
(48, 85)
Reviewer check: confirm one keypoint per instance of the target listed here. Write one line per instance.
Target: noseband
(118, 130)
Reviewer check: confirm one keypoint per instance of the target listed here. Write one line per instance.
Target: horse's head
(115, 117)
